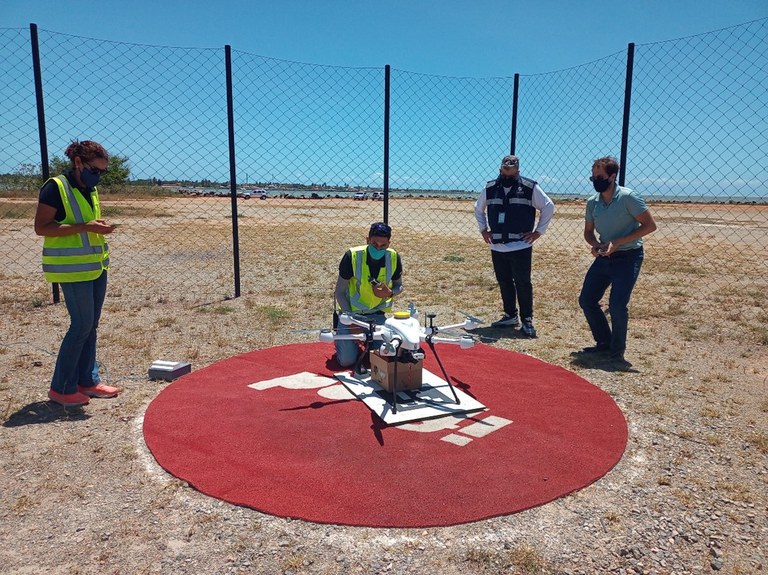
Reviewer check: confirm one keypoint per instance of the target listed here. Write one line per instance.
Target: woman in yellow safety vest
(75, 255)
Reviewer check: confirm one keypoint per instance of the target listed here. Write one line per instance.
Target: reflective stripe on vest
(77, 257)
(361, 296)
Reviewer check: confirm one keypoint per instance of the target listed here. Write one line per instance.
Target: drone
(401, 337)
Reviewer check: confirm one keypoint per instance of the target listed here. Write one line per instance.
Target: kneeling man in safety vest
(369, 276)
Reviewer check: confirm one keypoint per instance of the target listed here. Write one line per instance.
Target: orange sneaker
(100, 390)
(68, 399)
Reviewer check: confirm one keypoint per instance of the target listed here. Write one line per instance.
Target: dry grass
(696, 396)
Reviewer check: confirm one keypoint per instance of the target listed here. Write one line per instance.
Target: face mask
(375, 253)
(601, 185)
(89, 177)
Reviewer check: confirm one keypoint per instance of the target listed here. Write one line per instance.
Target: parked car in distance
(377, 196)
(261, 194)
(360, 196)
(245, 194)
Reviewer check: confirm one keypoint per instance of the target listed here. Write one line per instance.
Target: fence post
(41, 122)
(627, 102)
(386, 143)
(513, 138)
(232, 168)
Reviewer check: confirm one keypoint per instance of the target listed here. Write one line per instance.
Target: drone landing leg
(394, 383)
(447, 379)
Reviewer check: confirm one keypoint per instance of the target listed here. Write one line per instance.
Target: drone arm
(330, 337)
(465, 342)
(466, 324)
(349, 319)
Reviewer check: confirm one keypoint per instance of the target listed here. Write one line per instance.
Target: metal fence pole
(386, 142)
(232, 169)
(41, 122)
(627, 105)
(515, 93)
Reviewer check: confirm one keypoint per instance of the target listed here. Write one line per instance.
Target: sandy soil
(80, 493)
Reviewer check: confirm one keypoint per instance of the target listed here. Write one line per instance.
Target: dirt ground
(80, 493)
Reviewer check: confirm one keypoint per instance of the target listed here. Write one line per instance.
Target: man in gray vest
(508, 207)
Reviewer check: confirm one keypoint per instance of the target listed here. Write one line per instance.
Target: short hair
(86, 150)
(609, 163)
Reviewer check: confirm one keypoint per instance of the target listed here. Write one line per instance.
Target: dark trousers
(620, 272)
(513, 272)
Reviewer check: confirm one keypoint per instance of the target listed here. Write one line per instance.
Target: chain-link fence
(313, 147)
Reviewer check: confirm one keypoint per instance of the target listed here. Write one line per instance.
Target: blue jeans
(347, 350)
(620, 272)
(76, 363)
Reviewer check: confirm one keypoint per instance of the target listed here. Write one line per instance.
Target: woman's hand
(99, 227)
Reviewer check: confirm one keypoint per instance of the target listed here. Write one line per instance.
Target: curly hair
(610, 164)
(86, 150)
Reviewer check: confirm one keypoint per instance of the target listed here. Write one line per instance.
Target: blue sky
(453, 63)
(476, 38)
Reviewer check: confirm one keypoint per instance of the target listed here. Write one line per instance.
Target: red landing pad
(297, 444)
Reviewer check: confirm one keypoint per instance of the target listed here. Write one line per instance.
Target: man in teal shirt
(621, 219)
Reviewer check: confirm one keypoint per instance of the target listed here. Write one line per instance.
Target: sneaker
(527, 327)
(68, 399)
(617, 362)
(100, 390)
(593, 350)
(507, 321)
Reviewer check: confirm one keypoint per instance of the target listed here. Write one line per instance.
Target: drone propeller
(315, 330)
(471, 317)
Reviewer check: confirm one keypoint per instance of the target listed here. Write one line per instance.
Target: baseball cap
(510, 162)
(380, 229)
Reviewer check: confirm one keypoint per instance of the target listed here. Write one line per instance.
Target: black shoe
(616, 362)
(507, 321)
(527, 327)
(591, 351)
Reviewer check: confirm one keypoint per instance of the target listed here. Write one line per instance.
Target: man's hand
(486, 236)
(382, 291)
(531, 237)
(603, 250)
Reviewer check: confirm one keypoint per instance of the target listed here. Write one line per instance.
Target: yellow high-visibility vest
(77, 257)
(361, 296)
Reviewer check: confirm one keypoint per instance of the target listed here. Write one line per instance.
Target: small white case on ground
(168, 370)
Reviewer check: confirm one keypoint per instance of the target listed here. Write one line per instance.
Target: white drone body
(401, 337)
(402, 332)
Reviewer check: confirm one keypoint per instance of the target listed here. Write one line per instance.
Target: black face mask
(601, 185)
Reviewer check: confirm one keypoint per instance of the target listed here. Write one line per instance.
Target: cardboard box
(383, 372)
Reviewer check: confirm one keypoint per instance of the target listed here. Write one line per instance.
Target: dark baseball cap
(510, 162)
(380, 229)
